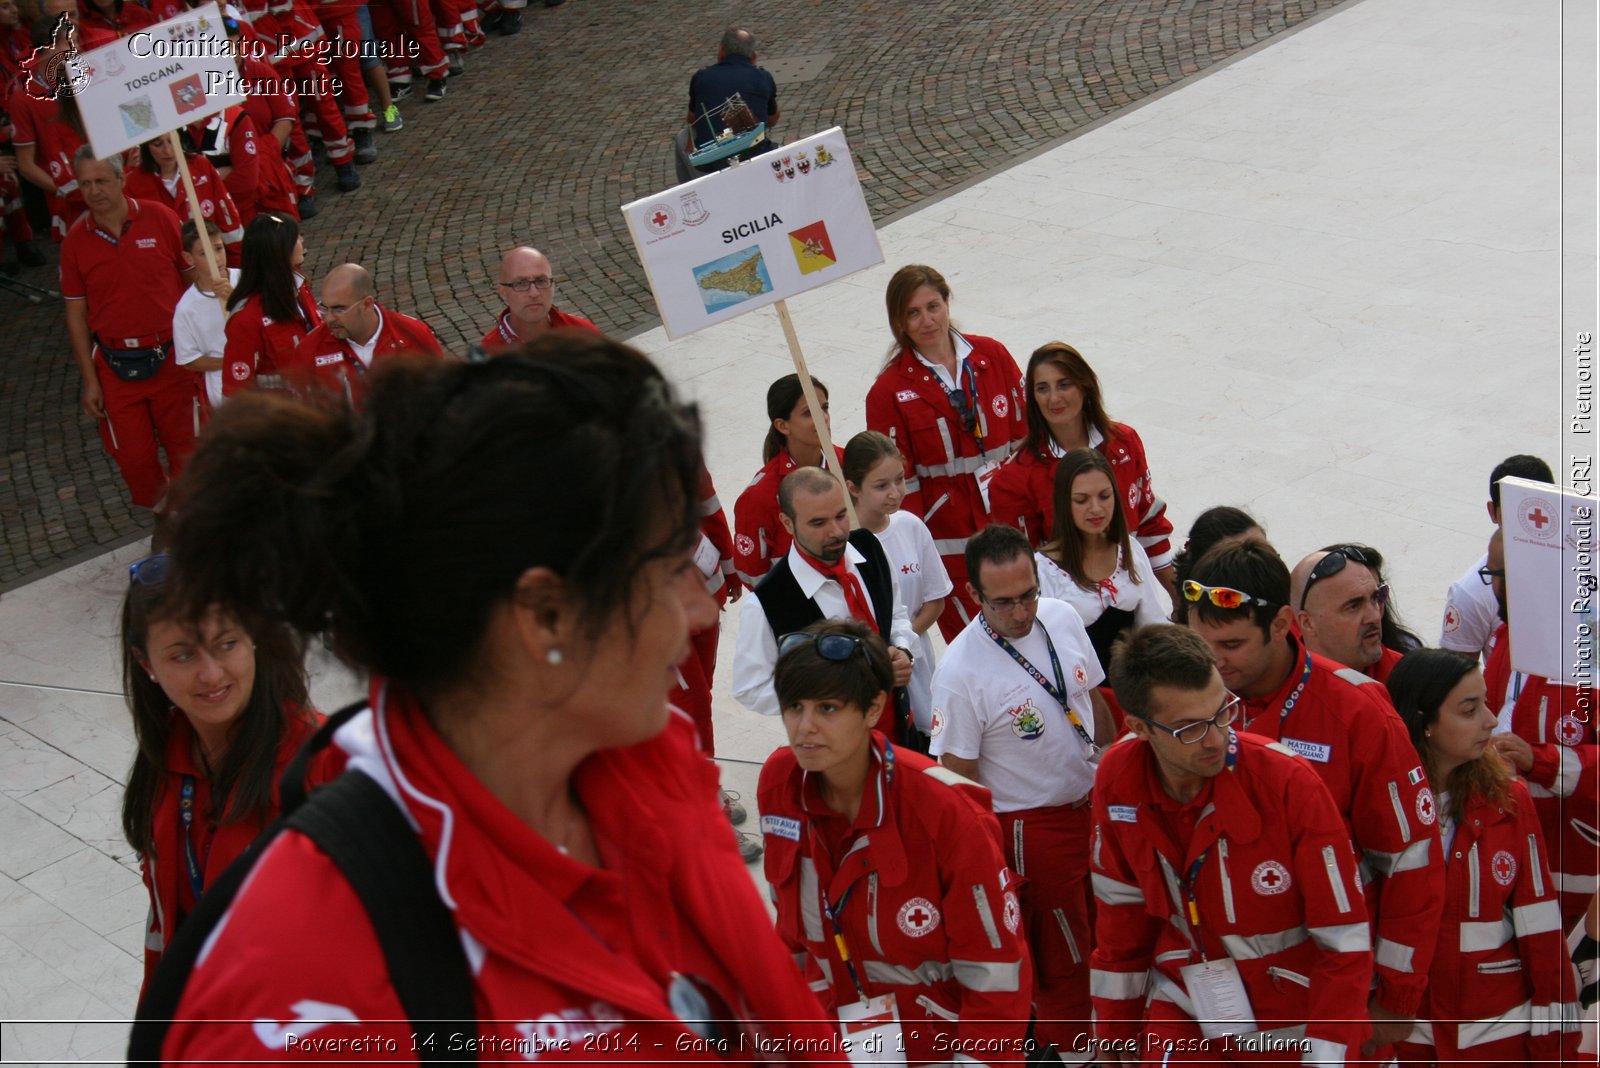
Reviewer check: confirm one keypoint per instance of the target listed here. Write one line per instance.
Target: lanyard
(833, 909)
(508, 335)
(1059, 690)
(1294, 695)
(970, 388)
(1191, 904)
(197, 879)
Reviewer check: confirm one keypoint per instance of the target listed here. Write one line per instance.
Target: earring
(1428, 733)
(553, 657)
(152, 677)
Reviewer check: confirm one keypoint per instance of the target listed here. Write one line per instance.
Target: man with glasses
(1241, 845)
(1341, 721)
(1016, 708)
(1339, 600)
(356, 330)
(527, 285)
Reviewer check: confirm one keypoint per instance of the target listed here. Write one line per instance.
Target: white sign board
(1550, 579)
(787, 221)
(157, 79)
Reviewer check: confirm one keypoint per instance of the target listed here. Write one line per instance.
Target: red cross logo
(1504, 868)
(659, 219)
(1270, 878)
(1569, 730)
(1425, 811)
(1537, 517)
(917, 917)
(905, 569)
(1537, 520)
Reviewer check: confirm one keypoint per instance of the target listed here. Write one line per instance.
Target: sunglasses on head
(835, 647)
(1221, 596)
(151, 571)
(1332, 564)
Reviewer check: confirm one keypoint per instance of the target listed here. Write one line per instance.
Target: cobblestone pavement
(550, 131)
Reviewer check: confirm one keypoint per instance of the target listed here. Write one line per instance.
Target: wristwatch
(909, 654)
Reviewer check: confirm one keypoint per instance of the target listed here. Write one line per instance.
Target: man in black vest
(828, 573)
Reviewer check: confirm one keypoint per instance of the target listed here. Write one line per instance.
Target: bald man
(356, 331)
(1339, 602)
(528, 286)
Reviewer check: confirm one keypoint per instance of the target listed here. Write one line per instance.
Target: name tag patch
(781, 827)
(1123, 813)
(332, 357)
(1313, 751)
(906, 395)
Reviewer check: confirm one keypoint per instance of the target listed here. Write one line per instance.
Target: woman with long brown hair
(1065, 411)
(952, 404)
(218, 709)
(792, 441)
(1092, 563)
(1501, 989)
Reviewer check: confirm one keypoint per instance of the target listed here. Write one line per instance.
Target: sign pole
(195, 212)
(817, 415)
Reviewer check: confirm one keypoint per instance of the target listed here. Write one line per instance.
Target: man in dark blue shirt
(734, 72)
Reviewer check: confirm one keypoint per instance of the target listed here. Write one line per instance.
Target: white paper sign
(157, 79)
(1550, 579)
(787, 221)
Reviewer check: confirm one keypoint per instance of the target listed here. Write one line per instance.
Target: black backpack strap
(363, 830)
(292, 787)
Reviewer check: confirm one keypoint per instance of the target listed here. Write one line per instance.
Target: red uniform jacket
(559, 950)
(215, 847)
(1558, 722)
(259, 347)
(127, 16)
(1277, 892)
(1343, 724)
(1501, 974)
(216, 203)
(321, 360)
(759, 537)
(504, 335)
(38, 123)
(1023, 494)
(931, 916)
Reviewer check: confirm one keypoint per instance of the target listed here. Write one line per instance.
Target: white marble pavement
(1322, 281)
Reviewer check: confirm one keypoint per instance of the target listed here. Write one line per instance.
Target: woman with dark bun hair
(1209, 528)
(792, 441)
(952, 404)
(1501, 989)
(507, 548)
(271, 309)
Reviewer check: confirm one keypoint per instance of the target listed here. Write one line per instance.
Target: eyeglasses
(964, 410)
(836, 647)
(151, 571)
(1006, 604)
(334, 310)
(521, 285)
(1488, 574)
(1332, 564)
(1222, 596)
(1194, 733)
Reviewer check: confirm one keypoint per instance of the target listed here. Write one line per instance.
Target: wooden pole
(818, 416)
(195, 213)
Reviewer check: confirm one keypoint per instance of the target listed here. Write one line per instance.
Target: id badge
(1221, 1003)
(871, 1031)
(707, 557)
(985, 475)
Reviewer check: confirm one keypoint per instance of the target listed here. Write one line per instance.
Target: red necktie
(854, 596)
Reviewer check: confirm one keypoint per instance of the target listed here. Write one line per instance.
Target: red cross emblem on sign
(1504, 868)
(659, 218)
(1538, 518)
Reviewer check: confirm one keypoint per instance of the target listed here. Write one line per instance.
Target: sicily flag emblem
(812, 249)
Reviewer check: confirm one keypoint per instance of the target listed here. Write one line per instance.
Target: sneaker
(435, 90)
(489, 21)
(349, 180)
(399, 90)
(366, 150)
(733, 809)
(458, 63)
(392, 120)
(308, 206)
(510, 22)
(749, 847)
(319, 153)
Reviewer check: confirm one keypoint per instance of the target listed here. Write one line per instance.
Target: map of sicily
(732, 279)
